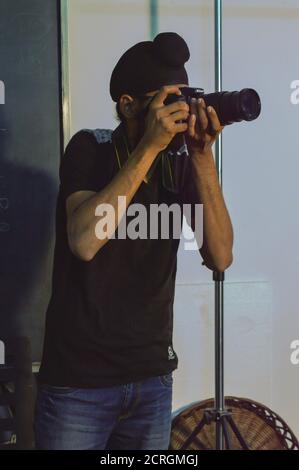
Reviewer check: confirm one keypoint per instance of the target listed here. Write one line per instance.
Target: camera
(230, 106)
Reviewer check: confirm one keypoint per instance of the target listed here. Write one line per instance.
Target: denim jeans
(132, 416)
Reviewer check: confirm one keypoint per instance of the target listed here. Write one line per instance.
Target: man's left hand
(203, 126)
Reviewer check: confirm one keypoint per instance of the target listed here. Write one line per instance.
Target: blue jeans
(132, 416)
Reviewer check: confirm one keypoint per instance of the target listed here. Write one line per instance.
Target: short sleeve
(80, 166)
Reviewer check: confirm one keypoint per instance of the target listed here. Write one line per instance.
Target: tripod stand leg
(227, 438)
(194, 434)
(219, 435)
(237, 433)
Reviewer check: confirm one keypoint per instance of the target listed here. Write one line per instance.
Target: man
(106, 375)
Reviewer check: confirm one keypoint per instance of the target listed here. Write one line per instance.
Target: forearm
(217, 226)
(125, 183)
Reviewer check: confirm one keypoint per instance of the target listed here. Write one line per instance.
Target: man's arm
(216, 250)
(81, 206)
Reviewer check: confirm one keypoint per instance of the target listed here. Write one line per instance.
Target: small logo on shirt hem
(171, 353)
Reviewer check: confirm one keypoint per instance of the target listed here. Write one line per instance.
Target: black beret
(149, 65)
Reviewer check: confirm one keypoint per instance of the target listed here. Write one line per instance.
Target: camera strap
(173, 166)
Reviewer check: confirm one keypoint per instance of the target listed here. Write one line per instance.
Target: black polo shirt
(110, 320)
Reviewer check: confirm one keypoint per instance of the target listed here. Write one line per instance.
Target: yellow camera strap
(122, 153)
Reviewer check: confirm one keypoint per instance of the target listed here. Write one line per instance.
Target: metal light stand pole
(217, 276)
(225, 426)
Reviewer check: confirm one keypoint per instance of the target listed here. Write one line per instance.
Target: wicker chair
(261, 427)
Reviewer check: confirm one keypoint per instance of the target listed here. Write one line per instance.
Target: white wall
(260, 184)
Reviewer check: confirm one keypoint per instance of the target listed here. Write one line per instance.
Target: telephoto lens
(235, 106)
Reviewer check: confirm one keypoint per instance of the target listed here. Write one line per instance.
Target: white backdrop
(260, 184)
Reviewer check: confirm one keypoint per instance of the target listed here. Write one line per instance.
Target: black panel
(30, 149)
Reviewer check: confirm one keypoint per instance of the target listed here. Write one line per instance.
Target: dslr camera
(230, 106)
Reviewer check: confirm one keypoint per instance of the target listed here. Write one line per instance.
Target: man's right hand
(161, 125)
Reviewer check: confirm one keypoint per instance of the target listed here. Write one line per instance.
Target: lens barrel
(235, 106)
